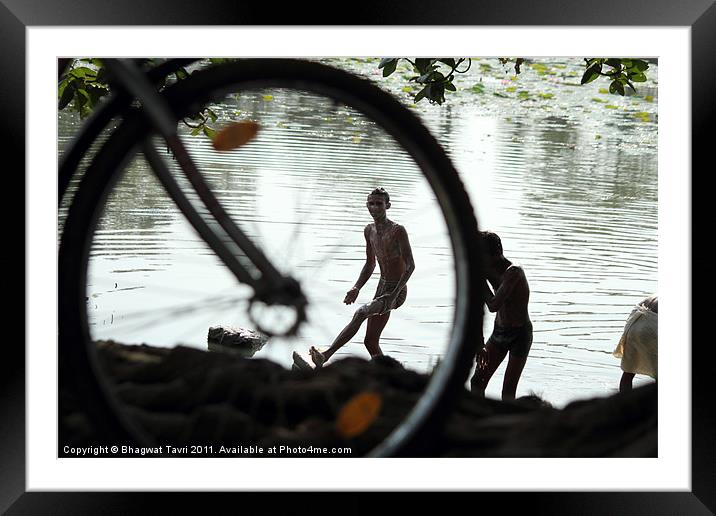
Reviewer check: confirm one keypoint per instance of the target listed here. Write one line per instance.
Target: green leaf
(196, 131)
(386, 61)
(591, 73)
(81, 99)
(638, 77)
(66, 97)
(425, 92)
(614, 63)
(388, 65)
(77, 102)
(211, 114)
(209, 131)
(437, 93)
(616, 86)
(431, 76)
(61, 86)
(82, 95)
(83, 73)
(181, 73)
(450, 86)
(640, 65)
(424, 65)
(448, 61)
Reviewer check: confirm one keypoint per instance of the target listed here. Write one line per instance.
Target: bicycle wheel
(79, 364)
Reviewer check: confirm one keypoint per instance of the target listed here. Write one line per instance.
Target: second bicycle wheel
(133, 271)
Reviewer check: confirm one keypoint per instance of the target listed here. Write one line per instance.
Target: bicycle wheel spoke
(135, 321)
(295, 235)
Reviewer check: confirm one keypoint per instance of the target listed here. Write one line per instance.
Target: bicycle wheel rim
(412, 435)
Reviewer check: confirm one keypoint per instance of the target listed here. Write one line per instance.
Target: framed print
(334, 124)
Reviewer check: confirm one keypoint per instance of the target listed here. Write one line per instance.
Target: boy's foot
(300, 364)
(317, 357)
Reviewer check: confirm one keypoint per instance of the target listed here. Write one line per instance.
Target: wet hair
(492, 243)
(381, 191)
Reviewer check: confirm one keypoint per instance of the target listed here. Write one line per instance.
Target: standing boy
(387, 244)
(513, 329)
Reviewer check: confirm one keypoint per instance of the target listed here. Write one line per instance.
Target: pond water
(565, 174)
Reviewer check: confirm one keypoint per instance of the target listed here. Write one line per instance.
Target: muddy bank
(184, 396)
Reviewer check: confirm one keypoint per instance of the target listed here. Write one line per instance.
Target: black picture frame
(17, 15)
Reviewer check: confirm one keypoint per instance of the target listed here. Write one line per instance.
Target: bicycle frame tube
(197, 222)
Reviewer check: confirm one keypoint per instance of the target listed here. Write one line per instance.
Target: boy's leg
(515, 365)
(347, 333)
(376, 324)
(488, 360)
(519, 349)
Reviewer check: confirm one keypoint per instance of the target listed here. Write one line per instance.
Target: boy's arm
(509, 281)
(487, 292)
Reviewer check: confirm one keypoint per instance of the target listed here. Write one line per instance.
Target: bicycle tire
(78, 365)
